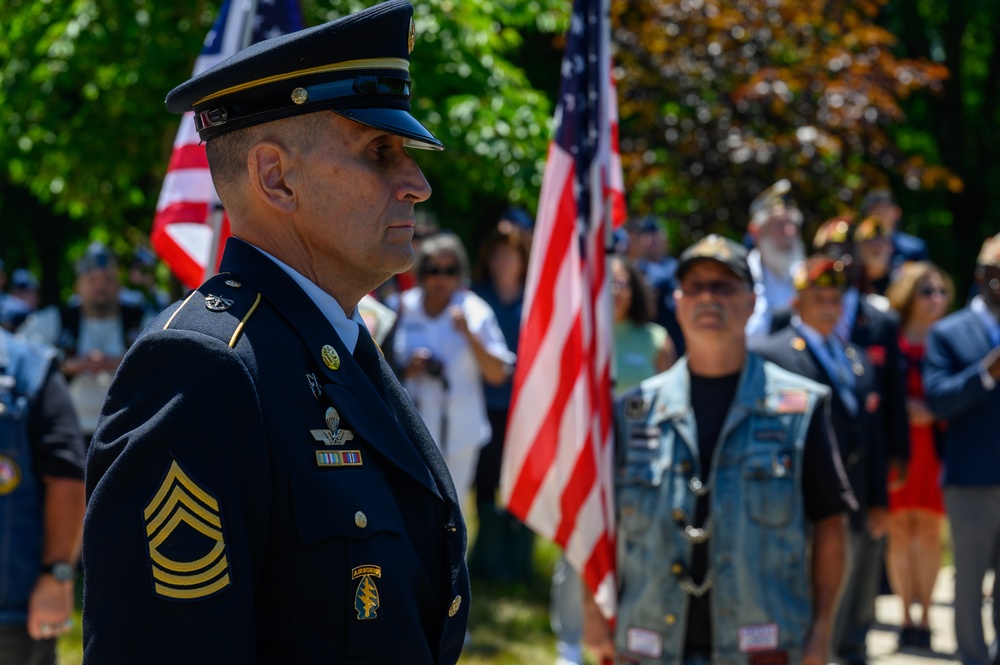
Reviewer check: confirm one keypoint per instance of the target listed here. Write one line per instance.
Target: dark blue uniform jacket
(859, 436)
(226, 521)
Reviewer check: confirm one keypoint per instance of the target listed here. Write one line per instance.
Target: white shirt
(461, 402)
(346, 326)
(774, 293)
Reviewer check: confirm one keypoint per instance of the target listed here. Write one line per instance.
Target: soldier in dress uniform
(260, 487)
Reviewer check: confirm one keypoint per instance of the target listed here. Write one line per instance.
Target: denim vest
(756, 531)
(23, 369)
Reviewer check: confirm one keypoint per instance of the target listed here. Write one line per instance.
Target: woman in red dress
(921, 293)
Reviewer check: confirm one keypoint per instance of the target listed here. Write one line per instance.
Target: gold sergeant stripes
(181, 500)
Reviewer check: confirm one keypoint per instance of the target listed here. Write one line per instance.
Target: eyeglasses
(718, 288)
(434, 269)
(929, 292)
(618, 286)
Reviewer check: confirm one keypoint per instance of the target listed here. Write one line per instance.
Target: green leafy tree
(719, 99)
(86, 137)
(959, 128)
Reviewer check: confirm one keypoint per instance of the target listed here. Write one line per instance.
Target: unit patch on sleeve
(366, 598)
(185, 539)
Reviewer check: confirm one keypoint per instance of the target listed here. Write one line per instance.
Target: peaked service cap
(357, 66)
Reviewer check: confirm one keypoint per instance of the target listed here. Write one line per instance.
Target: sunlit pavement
(882, 639)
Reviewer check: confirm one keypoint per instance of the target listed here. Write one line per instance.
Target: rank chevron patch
(187, 546)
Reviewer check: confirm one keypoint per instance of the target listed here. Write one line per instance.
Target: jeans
(17, 647)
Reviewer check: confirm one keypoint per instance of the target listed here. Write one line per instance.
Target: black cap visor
(394, 121)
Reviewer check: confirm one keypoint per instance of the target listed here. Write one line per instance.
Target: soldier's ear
(273, 174)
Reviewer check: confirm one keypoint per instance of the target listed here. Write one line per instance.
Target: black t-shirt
(825, 489)
(56, 442)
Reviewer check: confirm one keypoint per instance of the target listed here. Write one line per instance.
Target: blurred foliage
(959, 128)
(86, 139)
(720, 99)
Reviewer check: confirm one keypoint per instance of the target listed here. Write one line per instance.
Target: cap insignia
(411, 40)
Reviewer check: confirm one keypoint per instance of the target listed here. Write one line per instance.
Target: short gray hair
(444, 242)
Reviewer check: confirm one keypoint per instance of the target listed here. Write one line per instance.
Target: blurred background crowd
(863, 131)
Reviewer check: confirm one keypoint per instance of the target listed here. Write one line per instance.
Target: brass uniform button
(677, 569)
(455, 604)
(360, 519)
(670, 619)
(678, 515)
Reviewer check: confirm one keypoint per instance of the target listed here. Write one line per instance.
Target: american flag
(557, 473)
(183, 235)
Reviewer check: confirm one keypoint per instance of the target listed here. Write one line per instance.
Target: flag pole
(215, 219)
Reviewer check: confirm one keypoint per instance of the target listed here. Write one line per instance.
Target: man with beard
(92, 331)
(776, 229)
(960, 378)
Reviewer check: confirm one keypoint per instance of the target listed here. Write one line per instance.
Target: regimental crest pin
(217, 303)
(412, 39)
(366, 600)
(330, 357)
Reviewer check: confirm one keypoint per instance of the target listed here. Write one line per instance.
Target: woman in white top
(447, 343)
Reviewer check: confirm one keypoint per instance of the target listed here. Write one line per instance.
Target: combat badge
(217, 303)
(187, 562)
(366, 599)
(10, 475)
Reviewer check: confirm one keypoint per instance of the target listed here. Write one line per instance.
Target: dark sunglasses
(718, 288)
(445, 271)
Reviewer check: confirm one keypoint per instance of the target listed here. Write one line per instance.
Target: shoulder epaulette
(220, 308)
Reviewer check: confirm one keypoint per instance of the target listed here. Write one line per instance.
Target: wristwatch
(61, 570)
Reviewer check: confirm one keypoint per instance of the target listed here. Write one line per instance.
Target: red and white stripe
(183, 234)
(557, 473)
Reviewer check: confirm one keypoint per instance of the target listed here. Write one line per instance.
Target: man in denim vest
(730, 494)
(41, 503)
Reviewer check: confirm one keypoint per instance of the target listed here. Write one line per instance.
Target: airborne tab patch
(366, 599)
(187, 547)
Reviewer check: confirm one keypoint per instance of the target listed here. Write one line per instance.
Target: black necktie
(367, 356)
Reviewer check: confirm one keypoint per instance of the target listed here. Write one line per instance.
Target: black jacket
(213, 532)
(858, 436)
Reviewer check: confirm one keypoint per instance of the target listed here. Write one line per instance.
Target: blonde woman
(921, 293)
